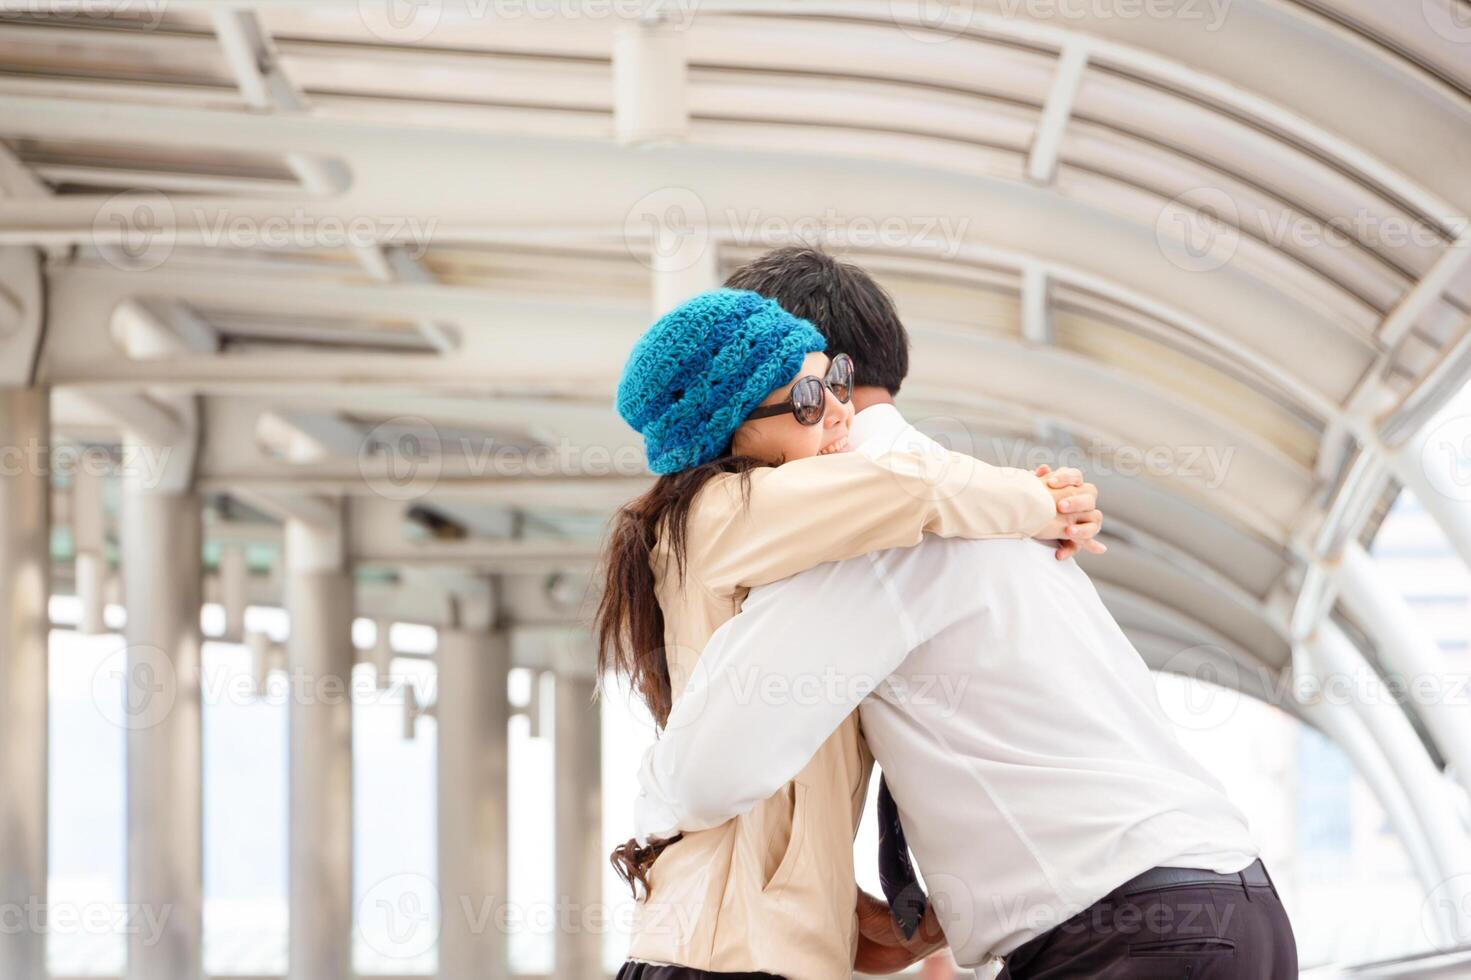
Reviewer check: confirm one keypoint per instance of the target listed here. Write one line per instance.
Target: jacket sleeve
(828, 508)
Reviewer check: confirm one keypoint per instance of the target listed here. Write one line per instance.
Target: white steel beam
(25, 575)
(1417, 301)
(1407, 650)
(650, 90)
(162, 581)
(1052, 126)
(18, 180)
(390, 263)
(1037, 326)
(264, 85)
(319, 597)
(1347, 680)
(1348, 731)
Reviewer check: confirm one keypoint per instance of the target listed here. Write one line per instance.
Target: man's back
(1025, 745)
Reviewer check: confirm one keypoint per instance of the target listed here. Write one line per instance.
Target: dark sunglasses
(808, 398)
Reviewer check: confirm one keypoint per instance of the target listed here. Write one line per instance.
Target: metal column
(25, 579)
(581, 916)
(1427, 464)
(1348, 678)
(1407, 650)
(162, 568)
(472, 713)
(319, 601)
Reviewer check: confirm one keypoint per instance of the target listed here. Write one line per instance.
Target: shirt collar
(879, 425)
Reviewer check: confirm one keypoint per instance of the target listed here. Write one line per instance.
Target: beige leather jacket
(773, 890)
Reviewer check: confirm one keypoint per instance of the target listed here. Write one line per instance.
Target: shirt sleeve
(829, 508)
(773, 684)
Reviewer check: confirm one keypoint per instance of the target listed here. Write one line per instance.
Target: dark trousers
(650, 971)
(1220, 928)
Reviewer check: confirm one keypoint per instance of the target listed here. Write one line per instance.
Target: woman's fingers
(1065, 477)
(1088, 526)
(1076, 500)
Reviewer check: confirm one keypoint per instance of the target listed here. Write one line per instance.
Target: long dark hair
(629, 625)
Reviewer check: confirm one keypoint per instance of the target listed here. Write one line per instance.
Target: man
(1056, 819)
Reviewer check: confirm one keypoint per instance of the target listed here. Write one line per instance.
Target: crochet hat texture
(695, 375)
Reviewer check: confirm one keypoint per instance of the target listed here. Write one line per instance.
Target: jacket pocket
(795, 842)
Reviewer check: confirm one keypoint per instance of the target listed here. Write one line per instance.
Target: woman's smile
(839, 445)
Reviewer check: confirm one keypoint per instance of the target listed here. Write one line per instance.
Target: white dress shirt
(1018, 728)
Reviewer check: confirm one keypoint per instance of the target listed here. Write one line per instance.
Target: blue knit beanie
(694, 376)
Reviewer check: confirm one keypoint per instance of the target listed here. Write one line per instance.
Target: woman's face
(781, 438)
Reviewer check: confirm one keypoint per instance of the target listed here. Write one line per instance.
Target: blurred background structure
(310, 318)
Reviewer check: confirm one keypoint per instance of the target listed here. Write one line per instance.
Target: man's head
(852, 311)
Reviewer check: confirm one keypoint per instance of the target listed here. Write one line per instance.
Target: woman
(745, 420)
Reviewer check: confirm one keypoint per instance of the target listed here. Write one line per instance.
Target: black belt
(1254, 875)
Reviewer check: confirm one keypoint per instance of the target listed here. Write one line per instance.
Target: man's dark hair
(853, 312)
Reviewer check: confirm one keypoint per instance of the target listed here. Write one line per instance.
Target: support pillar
(472, 712)
(1433, 464)
(1347, 677)
(1406, 649)
(25, 574)
(1349, 733)
(88, 544)
(162, 587)
(581, 916)
(319, 601)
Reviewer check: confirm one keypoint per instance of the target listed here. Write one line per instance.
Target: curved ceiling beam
(1289, 125)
